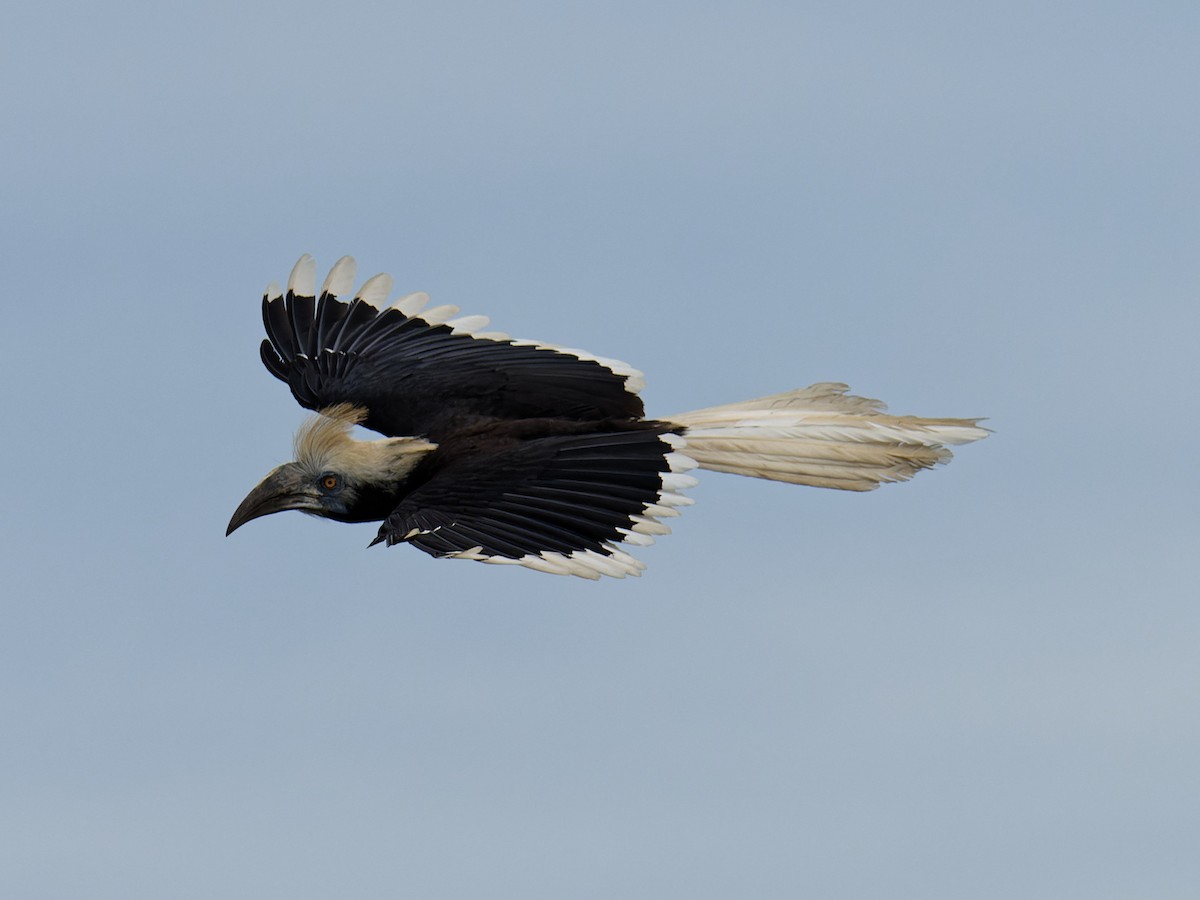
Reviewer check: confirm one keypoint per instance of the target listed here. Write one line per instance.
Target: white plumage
(820, 436)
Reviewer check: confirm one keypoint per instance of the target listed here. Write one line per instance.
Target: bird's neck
(385, 463)
(373, 503)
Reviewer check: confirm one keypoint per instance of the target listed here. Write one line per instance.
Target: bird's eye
(331, 482)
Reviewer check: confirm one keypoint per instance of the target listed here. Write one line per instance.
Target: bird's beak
(283, 489)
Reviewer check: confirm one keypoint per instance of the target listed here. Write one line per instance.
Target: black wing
(418, 375)
(562, 504)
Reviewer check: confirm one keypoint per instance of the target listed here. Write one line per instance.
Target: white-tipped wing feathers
(340, 280)
(376, 290)
(303, 280)
(519, 452)
(411, 304)
(419, 369)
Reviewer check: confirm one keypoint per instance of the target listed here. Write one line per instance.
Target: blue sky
(982, 683)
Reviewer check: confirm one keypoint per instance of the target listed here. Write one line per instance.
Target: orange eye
(330, 482)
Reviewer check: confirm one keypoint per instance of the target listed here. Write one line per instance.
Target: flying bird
(524, 453)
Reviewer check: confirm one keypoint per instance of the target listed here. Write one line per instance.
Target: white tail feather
(820, 436)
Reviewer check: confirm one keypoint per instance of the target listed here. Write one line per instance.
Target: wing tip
(302, 282)
(340, 280)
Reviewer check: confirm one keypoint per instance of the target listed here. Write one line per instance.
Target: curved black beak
(283, 489)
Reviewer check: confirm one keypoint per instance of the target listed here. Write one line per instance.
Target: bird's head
(335, 476)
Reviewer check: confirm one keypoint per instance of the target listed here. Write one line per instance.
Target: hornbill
(514, 451)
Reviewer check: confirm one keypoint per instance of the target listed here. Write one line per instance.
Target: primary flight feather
(517, 452)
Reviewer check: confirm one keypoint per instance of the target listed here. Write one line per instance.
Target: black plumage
(414, 377)
(538, 455)
(559, 493)
(516, 452)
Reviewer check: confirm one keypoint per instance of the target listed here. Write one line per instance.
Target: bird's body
(516, 452)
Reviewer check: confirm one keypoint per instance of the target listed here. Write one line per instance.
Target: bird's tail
(820, 436)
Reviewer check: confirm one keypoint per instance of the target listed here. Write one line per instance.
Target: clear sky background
(981, 684)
